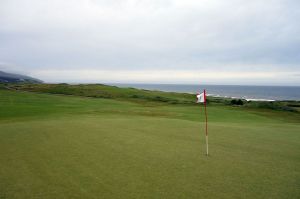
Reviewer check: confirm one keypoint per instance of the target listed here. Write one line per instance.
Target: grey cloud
(103, 34)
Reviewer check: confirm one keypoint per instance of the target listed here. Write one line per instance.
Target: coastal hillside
(13, 78)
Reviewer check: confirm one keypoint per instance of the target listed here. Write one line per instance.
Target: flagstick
(206, 135)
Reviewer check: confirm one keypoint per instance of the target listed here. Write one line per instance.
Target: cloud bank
(140, 39)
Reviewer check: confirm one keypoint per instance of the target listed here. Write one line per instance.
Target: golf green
(54, 146)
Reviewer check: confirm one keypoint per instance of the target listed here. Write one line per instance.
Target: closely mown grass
(60, 146)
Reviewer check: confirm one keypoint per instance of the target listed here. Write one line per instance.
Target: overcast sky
(254, 42)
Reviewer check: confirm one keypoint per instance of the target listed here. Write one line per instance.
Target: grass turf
(73, 147)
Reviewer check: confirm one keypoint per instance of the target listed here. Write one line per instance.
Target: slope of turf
(73, 147)
(145, 96)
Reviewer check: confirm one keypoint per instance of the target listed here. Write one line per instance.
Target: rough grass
(55, 146)
(146, 96)
(109, 92)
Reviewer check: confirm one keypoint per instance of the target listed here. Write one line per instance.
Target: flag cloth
(201, 98)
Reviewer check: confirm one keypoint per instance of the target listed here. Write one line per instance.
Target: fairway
(56, 146)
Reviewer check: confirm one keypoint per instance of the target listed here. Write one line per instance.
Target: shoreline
(248, 93)
(247, 99)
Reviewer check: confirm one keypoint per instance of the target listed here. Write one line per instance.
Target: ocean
(254, 93)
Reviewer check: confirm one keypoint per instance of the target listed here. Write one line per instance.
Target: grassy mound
(108, 92)
(147, 96)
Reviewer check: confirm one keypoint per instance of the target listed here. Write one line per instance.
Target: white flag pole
(206, 134)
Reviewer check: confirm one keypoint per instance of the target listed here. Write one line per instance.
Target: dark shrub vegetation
(237, 102)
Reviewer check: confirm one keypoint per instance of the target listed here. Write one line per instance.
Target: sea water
(255, 93)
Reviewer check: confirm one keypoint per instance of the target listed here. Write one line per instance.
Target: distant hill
(14, 78)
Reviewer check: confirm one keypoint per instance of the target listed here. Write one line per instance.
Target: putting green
(71, 147)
